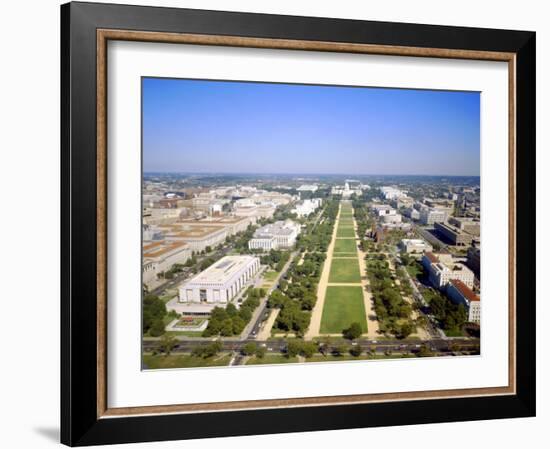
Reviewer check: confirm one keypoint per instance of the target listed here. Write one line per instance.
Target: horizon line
(304, 174)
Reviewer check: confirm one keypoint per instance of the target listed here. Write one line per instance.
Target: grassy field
(344, 270)
(343, 306)
(269, 278)
(270, 275)
(345, 231)
(271, 359)
(345, 222)
(191, 334)
(184, 361)
(345, 246)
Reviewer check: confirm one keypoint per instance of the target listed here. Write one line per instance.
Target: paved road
(432, 328)
(259, 317)
(436, 345)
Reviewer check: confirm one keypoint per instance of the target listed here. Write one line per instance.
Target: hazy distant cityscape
(246, 267)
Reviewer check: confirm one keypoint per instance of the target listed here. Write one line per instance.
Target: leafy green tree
(209, 350)
(424, 351)
(325, 346)
(231, 310)
(154, 309)
(157, 329)
(406, 329)
(309, 349)
(238, 325)
(355, 350)
(340, 349)
(293, 348)
(167, 343)
(227, 327)
(260, 352)
(353, 332)
(249, 348)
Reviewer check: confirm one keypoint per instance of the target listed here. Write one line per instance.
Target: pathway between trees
(317, 312)
(372, 322)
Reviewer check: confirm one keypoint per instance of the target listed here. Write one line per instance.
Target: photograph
(300, 223)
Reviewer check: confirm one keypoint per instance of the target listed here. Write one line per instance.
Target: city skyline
(226, 127)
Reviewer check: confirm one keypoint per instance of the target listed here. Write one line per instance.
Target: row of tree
(228, 321)
(275, 259)
(317, 235)
(297, 294)
(450, 316)
(392, 311)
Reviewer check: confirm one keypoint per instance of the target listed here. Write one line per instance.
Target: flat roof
(214, 221)
(223, 270)
(185, 230)
(414, 241)
(160, 247)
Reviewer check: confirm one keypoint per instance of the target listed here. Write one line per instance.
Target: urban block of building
(281, 234)
(460, 293)
(248, 208)
(392, 218)
(382, 210)
(441, 269)
(415, 246)
(412, 213)
(429, 216)
(306, 207)
(453, 234)
(160, 255)
(307, 188)
(466, 224)
(221, 282)
(198, 236)
(391, 193)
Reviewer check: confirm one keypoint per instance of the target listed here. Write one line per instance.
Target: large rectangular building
(198, 237)
(281, 234)
(453, 234)
(306, 207)
(221, 282)
(466, 224)
(440, 273)
(460, 293)
(160, 255)
(430, 216)
(415, 246)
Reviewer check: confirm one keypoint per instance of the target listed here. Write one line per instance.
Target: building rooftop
(214, 221)
(277, 228)
(222, 270)
(432, 257)
(189, 231)
(464, 290)
(413, 241)
(161, 247)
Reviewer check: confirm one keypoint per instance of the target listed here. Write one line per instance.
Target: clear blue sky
(235, 127)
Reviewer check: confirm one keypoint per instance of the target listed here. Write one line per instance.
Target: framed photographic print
(276, 224)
